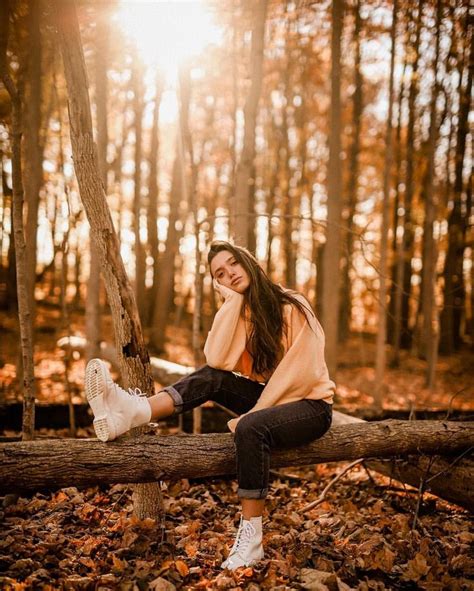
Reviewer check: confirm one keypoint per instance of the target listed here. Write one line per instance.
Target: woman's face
(229, 272)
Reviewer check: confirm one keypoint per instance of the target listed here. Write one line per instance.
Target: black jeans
(283, 426)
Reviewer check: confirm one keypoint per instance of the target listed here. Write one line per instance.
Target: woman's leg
(207, 383)
(117, 410)
(161, 405)
(284, 426)
(252, 507)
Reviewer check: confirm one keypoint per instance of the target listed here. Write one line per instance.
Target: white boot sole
(225, 564)
(95, 379)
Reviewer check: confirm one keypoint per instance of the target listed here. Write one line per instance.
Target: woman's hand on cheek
(222, 289)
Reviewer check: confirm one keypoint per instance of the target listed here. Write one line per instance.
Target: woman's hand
(232, 424)
(224, 291)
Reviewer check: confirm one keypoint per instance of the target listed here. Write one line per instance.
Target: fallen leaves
(90, 539)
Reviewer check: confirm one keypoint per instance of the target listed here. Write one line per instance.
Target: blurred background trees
(265, 121)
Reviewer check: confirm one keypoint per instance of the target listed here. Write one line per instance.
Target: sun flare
(167, 32)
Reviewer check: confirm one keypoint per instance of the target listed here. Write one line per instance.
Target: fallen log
(451, 479)
(64, 462)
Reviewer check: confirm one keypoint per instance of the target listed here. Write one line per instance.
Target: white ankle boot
(115, 410)
(247, 547)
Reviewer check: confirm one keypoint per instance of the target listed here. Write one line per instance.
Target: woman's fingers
(224, 291)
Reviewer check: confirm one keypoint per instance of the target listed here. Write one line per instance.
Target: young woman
(265, 362)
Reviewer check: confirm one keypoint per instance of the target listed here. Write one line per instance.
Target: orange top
(302, 371)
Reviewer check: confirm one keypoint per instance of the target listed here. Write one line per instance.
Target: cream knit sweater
(301, 372)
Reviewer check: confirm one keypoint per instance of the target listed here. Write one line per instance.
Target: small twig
(322, 496)
(421, 491)
(163, 515)
(448, 412)
(284, 476)
(459, 457)
(369, 475)
(114, 505)
(392, 488)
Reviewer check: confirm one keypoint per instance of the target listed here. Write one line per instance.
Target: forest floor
(362, 536)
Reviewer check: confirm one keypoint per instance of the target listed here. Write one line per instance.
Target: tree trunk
(33, 145)
(24, 314)
(287, 195)
(274, 186)
(236, 36)
(380, 355)
(429, 333)
(140, 262)
(135, 363)
(331, 271)
(66, 321)
(153, 196)
(346, 300)
(404, 340)
(240, 219)
(63, 462)
(167, 263)
(10, 278)
(395, 289)
(454, 292)
(93, 316)
(180, 192)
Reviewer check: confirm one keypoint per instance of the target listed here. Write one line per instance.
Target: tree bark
(179, 194)
(58, 463)
(429, 332)
(153, 196)
(167, 263)
(135, 363)
(454, 291)
(331, 271)
(380, 355)
(404, 338)
(352, 188)
(93, 316)
(395, 288)
(24, 314)
(33, 145)
(240, 219)
(288, 248)
(140, 262)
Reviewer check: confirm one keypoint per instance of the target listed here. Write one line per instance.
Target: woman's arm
(225, 342)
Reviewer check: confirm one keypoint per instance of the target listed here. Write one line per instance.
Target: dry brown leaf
(118, 565)
(182, 568)
(384, 559)
(160, 584)
(191, 549)
(416, 568)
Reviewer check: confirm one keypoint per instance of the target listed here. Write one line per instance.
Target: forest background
(331, 139)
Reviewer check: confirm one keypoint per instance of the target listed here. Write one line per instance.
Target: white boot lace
(243, 538)
(131, 391)
(136, 392)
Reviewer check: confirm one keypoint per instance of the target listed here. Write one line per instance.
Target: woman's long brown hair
(265, 301)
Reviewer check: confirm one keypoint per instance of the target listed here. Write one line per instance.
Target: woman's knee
(249, 427)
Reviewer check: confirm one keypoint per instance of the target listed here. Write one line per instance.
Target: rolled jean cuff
(177, 398)
(257, 493)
